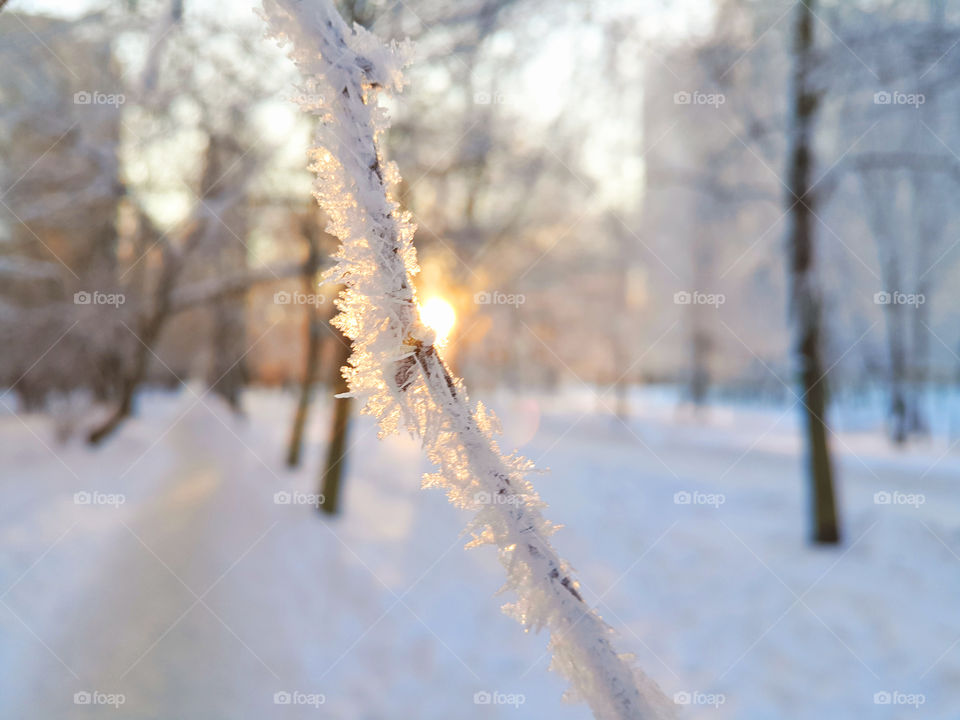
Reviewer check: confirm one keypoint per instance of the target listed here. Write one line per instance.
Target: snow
(198, 596)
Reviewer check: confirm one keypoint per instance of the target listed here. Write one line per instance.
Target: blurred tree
(805, 300)
(316, 318)
(62, 191)
(336, 457)
(227, 249)
(332, 471)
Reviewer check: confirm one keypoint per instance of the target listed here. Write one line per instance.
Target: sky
(540, 88)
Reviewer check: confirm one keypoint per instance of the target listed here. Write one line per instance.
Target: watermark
(485, 98)
(895, 97)
(685, 497)
(483, 697)
(499, 298)
(85, 97)
(698, 97)
(698, 298)
(895, 697)
(296, 697)
(899, 298)
(308, 99)
(86, 297)
(283, 497)
(695, 697)
(485, 498)
(95, 697)
(282, 297)
(99, 498)
(899, 498)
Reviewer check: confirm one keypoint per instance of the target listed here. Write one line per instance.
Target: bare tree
(331, 477)
(805, 300)
(228, 229)
(314, 335)
(879, 190)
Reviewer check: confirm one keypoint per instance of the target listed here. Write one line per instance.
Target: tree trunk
(916, 421)
(622, 335)
(198, 233)
(228, 371)
(314, 339)
(306, 386)
(879, 193)
(132, 379)
(148, 331)
(227, 234)
(929, 231)
(699, 381)
(899, 403)
(333, 467)
(804, 298)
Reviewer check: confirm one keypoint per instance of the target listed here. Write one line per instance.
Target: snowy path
(200, 597)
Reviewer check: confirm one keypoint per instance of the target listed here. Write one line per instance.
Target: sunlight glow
(438, 315)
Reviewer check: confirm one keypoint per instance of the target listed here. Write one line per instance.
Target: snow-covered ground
(200, 596)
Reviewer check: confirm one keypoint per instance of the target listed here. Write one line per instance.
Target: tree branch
(398, 371)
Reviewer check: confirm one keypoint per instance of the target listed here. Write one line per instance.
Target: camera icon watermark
(296, 697)
(895, 97)
(695, 697)
(95, 97)
(283, 297)
(85, 497)
(308, 99)
(486, 498)
(287, 497)
(895, 697)
(496, 297)
(95, 297)
(686, 297)
(494, 697)
(884, 497)
(95, 697)
(485, 98)
(698, 97)
(695, 497)
(899, 298)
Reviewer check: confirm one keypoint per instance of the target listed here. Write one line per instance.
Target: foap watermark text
(684, 297)
(296, 697)
(499, 298)
(695, 697)
(494, 697)
(695, 497)
(698, 97)
(95, 497)
(95, 297)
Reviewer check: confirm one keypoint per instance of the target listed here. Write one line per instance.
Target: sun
(438, 315)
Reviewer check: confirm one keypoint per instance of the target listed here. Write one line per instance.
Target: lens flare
(438, 315)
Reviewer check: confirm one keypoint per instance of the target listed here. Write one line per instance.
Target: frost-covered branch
(397, 370)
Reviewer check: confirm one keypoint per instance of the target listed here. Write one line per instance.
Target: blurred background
(698, 255)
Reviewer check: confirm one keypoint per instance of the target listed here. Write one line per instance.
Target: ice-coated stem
(397, 370)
